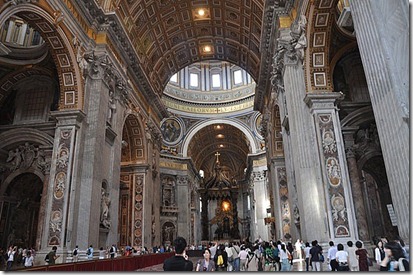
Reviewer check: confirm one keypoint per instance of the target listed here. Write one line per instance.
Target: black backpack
(47, 258)
(75, 252)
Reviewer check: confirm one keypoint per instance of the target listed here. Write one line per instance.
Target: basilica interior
(134, 122)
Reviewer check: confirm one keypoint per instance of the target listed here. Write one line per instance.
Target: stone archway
(55, 35)
(20, 209)
(132, 182)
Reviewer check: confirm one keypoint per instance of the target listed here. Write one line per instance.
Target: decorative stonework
(335, 187)
(26, 156)
(284, 204)
(137, 211)
(60, 185)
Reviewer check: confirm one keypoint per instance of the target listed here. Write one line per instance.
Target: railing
(129, 263)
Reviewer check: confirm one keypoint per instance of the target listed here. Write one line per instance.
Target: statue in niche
(168, 194)
(112, 106)
(105, 203)
(168, 233)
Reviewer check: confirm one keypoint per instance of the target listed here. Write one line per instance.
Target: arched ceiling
(169, 35)
(232, 147)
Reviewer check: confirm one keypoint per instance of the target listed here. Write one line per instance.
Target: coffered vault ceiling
(168, 35)
(232, 146)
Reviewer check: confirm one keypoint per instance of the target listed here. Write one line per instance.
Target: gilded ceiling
(169, 35)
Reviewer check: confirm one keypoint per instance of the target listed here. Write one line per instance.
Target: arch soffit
(136, 138)
(20, 135)
(320, 16)
(15, 174)
(54, 34)
(239, 125)
(358, 117)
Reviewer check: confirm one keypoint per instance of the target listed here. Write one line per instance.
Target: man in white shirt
(342, 258)
(331, 256)
(243, 257)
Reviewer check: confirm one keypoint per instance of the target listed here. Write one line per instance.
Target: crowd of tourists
(279, 256)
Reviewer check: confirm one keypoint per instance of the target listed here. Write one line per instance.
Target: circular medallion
(171, 129)
(138, 232)
(138, 197)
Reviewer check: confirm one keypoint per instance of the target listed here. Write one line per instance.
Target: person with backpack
(51, 257)
(112, 251)
(75, 254)
(221, 259)
(89, 253)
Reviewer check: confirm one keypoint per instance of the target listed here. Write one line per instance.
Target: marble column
(356, 186)
(261, 203)
(339, 206)
(58, 227)
(183, 202)
(204, 217)
(382, 31)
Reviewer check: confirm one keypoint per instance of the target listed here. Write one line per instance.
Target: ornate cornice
(111, 24)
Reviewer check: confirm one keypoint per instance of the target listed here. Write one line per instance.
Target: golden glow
(221, 146)
(220, 136)
(218, 127)
(207, 49)
(201, 12)
(225, 206)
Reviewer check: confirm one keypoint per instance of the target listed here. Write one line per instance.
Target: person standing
(307, 256)
(11, 253)
(315, 252)
(394, 258)
(362, 256)
(331, 256)
(112, 251)
(180, 261)
(28, 261)
(352, 257)
(221, 258)
(75, 254)
(379, 253)
(205, 264)
(102, 253)
(243, 257)
(52, 256)
(285, 263)
(89, 253)
(342, 258)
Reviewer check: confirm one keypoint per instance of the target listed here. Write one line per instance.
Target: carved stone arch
(15, 137)
(134, 143)
(54, 34)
